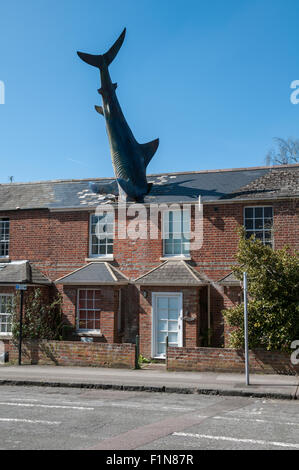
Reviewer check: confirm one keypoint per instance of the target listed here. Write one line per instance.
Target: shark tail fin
(149, 150)
(98, 60)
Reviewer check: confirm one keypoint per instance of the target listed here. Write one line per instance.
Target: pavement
(153, 378)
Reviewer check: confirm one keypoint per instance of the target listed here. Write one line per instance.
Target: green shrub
(41, 320)
(273, 296)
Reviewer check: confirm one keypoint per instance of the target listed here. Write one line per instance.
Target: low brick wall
(74, 353)
(229, 360)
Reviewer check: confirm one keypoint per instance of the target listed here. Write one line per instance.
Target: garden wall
(229, 360)
(74, 353)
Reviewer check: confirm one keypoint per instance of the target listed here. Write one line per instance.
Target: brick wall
(57, 242)
(229, 360)
(108, 314)
(74, 353)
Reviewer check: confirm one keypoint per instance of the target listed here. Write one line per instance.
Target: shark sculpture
(129, 158)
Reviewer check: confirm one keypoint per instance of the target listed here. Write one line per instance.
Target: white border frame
(154, 320)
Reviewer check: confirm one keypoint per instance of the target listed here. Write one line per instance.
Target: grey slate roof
(97, 273)
(172, 273)
(229, 280)
(213, 185)
(17, 272)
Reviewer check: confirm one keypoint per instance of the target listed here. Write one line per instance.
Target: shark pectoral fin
(99, 109)
(104, 188)
(149, 150)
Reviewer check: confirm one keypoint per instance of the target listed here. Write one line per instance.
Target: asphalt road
(43, 418)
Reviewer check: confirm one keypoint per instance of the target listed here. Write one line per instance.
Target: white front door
(167, 321)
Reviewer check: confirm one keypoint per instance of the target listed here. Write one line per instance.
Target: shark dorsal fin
(149, 150)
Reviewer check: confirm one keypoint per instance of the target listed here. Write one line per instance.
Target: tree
(286, 151)
(273, 288)
(41, 320)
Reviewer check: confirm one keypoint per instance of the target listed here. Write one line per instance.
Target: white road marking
(177, 408)
(256, 420)
(107, 403)
(143, 406)
(18, 399)
(46, 406)
(234, 439)
(33, 421)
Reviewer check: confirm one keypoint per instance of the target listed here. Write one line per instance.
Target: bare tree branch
(285, 152)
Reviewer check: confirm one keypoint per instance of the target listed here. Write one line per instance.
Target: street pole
(246, 328)
(21, 327)
(137, 347)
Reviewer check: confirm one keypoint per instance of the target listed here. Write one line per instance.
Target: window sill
(99, 259)
(91, 334)
(175, 258)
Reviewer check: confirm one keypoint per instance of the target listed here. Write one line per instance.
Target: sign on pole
(246, 328)
(21, 287)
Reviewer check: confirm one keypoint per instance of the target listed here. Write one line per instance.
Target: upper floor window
(101, 235)
(258, 221)
(176, 233)
(6, 301)
(4, 238)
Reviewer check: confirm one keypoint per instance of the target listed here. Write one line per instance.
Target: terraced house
(115, 287)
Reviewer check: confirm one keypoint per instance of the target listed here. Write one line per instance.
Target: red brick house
(115, 287)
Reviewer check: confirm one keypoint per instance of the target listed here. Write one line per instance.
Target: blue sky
(210, 78)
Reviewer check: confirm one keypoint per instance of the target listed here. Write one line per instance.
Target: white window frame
(166, 232)
(262, 230)
(5, 241)
(109, 235)
(155, 296)
(5, 333)
(86, 330)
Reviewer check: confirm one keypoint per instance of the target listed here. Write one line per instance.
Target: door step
(154, 366)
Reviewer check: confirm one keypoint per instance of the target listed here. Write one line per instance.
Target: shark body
(129, 158)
